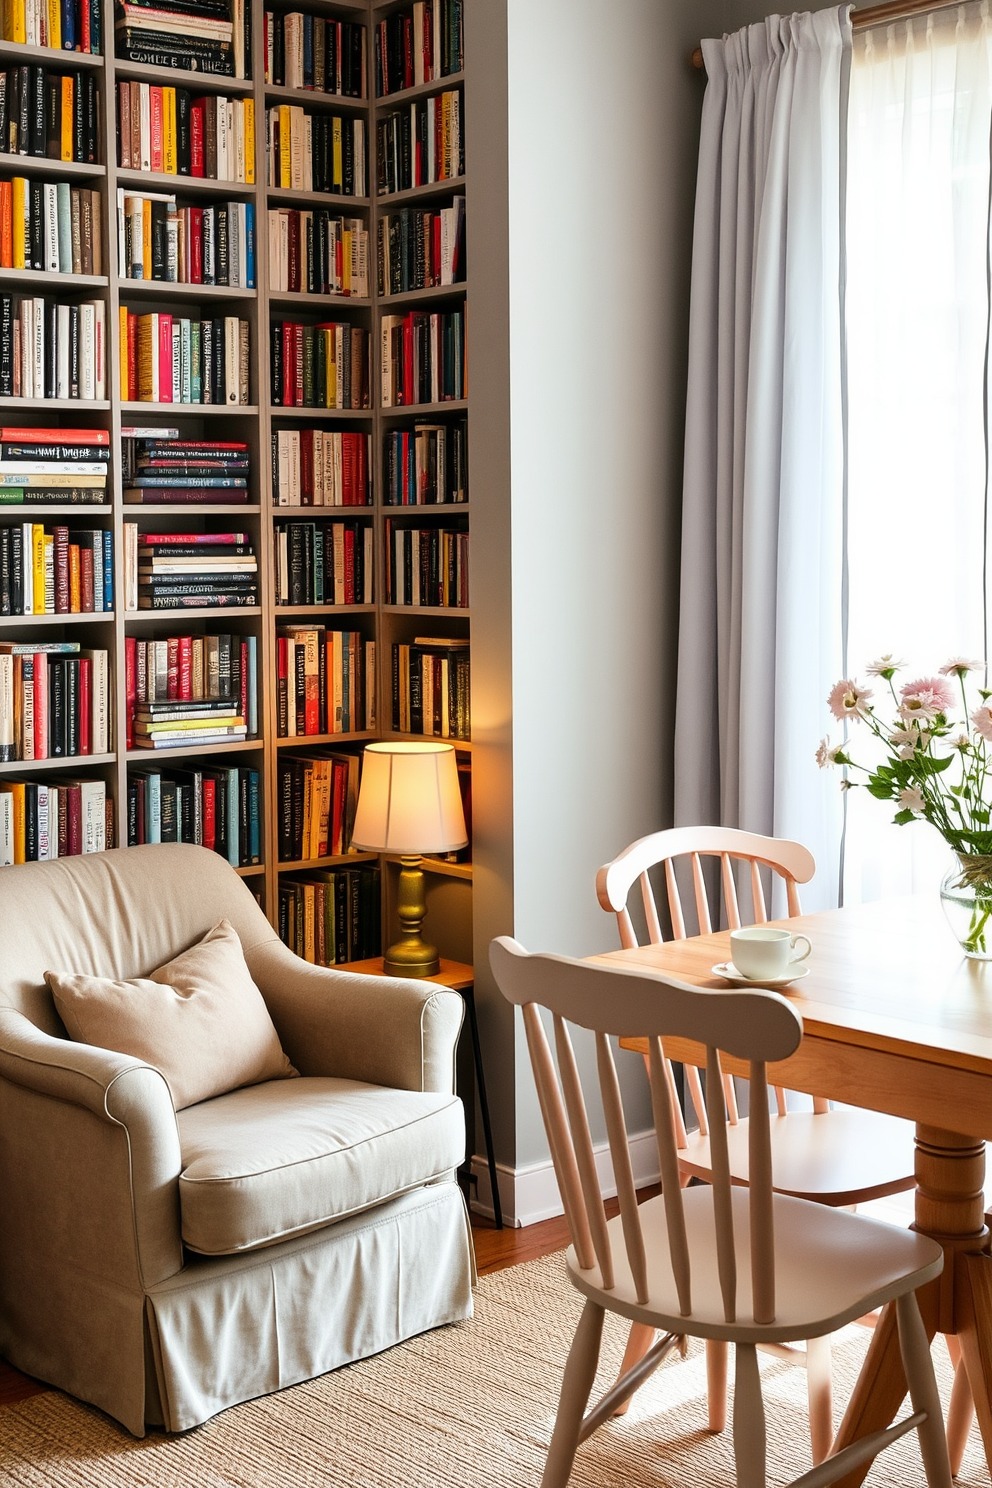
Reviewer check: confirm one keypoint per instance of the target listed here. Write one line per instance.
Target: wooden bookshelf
(254, 423)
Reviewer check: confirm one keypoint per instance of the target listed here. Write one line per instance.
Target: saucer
(728, 971)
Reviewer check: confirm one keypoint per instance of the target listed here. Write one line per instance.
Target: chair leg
(716, 1383)
(960, 1410)
(916, 1361)
(580, 1371)
(749, 1419)
(639, 1340)
(820, 1392)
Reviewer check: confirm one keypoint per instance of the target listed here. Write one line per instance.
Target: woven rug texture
(468, 1406)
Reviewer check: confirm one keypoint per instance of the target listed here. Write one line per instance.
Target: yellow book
(14, 29)
(54, 24)
(285, 152)
(16, 789)
(49, 594)
(249, 107)
(337, 178)
(331, 379)
(38, 568)
(122, 351)
(170, 159)
(19, 219)
(146, 351)
(67, 110)
(146, 238)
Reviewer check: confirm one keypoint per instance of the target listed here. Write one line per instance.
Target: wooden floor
(494, 1251)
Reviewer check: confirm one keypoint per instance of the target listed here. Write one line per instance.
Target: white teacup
(761, 951)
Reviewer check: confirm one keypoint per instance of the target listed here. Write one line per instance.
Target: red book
(130, 687)
(349, 496)
(306, 467)
(185, 658)
(165, 358)
(288, 357)
(41, 706)
(183, 538)
(85, 704)
(407, 389)
(155, 126)
(132, 357)
(172, 669)
(244, 681)
(339, 788)
(54, 436)
(349, 565)
(339, 260)
(282, 687)
(86, 580)
(210, 813)
(196, 245)
(298, 366)
(196, 167)
(75, 814)
(85, 42)
(434, 269)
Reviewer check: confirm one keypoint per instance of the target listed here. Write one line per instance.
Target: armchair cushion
(199, 1019)
(266, 1163)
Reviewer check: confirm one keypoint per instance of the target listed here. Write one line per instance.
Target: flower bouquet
(935, 769)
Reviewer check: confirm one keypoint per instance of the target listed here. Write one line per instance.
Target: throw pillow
(199, 1019)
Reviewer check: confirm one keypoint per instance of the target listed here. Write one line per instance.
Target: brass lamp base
(411, 956)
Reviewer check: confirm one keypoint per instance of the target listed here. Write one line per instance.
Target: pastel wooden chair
(744, 1266)
(840, 1158)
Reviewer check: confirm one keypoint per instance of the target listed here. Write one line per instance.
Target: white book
(64, 195)
(337, 459)
(232, 360)
(130, 565)
(282, 558)
(435, 68)
(318, 469)
(418, 43)
(295, 478)
(238, 37)
(56, 806)
(51, 221)
(62, 353)
(93, 801)
(6, 819)
(100, 347)
(145, 126)
(123, 229)
(99, 701)
(177, 361)
(172, 246)
(269, 43)
(275, 267)
(282, 467)
(293, 50)
(222, 132)
(87, 352)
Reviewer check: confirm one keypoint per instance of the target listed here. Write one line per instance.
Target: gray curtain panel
(763, 505)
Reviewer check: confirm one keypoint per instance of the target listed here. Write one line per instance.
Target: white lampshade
(409, 801)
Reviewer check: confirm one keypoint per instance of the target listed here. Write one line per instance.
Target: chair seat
(276, 1160)
(830, 1268)
(838, 1157)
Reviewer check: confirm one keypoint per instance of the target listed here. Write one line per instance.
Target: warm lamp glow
(409, 802)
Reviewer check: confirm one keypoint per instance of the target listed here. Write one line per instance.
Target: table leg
(480, 1077)
(950, 1172)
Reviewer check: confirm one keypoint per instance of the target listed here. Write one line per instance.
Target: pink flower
(828, 754)
(886, 666)
(848, 700)
(982, 719)
(926, 698)
(958, 665)
(911, 799)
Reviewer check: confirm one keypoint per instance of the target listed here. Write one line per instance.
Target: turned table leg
(950, 1172)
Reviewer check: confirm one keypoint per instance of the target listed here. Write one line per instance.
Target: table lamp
(409, 803)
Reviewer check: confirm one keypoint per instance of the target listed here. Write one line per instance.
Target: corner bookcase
(385, 624)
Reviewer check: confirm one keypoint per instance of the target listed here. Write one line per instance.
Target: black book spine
(72, 720)
(218, 388)
(23, 110)
(5, 585)
(207, 358)
(31, 822)
(183, 155)
(132, 814)
(278, 53)
(301, 683)
(4, 114)
(37, 111)
(16, 570)
(159, 214)
(6, 346)
(51, 348)
(53, 117)
(275, 353)
(244, 817)
(78, 118)
(56, 709)
(91, 125)
(286, 812)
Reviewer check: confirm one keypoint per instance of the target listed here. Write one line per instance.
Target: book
(316, 52)
(431, 687)
(418, 44)
(421, 144)
(310, 151)
(213, 351)
(426, 464)
(317, 252)
(421, 249)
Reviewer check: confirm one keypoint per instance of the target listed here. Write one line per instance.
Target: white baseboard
(530, 1194)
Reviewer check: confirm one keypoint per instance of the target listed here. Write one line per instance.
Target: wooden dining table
(895, 1019)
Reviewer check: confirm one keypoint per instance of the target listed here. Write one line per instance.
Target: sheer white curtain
(761, 623)
(917, 320)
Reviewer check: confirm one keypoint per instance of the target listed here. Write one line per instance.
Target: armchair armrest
(392, 1031)
(111, 1190)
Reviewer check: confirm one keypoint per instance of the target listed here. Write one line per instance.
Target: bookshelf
(254, 423)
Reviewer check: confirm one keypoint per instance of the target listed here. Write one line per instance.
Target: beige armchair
(164, 1267)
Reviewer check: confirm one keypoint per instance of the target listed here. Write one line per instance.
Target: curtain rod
(872, 15)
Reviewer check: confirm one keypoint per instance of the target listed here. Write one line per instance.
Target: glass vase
(966, 894)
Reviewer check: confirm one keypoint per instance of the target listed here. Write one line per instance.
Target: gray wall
(582, 133)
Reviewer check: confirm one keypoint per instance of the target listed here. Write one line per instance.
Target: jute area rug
(469, 1406)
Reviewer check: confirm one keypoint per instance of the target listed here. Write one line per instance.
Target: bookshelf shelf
(19, 53)
(181, 77)
(277, 411)
(191, 410)
(74, 763)
(38, 165)
(461, 746)
(173, 508)
(424, 509)
(309, 96)
(163, 181)
(7, 622)
(288, 196)
(80, 282)
(413, 297)
(57, 509)
(318, 301)
(339, 860)
(164, 288)
(193, 751)
(437, 611)
(422, 90)
(454, 185)
(422, 410)
(325, 609)
(251, 871)
(335, 513)
(173, 617)
(311, 741)
(82, 406)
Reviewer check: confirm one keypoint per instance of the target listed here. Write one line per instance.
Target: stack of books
(188, 725)
(49, 350)
(418, 45)
(325, 681)
(432, 688)
(323, 563)
(162, 467)
(211, 36)
(159, 240)
(70, 25)
(315, 151)
(426, 465)
(320, 467)
(206, 571)
(52, 114)
(317, 799)
(419, 145)
(55, 571)
(54, 700)
(218, 809)
(422, 358)
(50, 225)
(173, 131)
(309, 51)
(188, 672)
(426, 566)
(172, 359)
(421, 250)
(332, 915)
(53, 818)
(321, 366)
(317, 252)
(49, 466)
